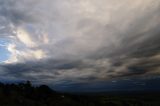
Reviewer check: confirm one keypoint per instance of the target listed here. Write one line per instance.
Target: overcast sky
(79, 41)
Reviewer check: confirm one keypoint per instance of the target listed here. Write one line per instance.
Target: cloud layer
(80, 41)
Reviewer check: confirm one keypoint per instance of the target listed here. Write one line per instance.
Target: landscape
(24, 94)
(79, 52)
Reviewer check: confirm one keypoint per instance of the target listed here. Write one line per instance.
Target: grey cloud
(86, 42)
(55, 72)
(14, 12)
(10, 16)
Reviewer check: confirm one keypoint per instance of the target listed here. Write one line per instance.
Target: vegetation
(24, 94)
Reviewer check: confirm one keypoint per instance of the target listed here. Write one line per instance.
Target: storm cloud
(80, 41)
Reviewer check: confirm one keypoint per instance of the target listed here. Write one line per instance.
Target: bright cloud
(25, 38)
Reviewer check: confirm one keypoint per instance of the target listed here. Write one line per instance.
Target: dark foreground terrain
(24, 94)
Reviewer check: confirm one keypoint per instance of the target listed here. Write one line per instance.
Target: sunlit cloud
(25, 38)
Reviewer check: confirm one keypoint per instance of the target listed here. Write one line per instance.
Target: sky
(92, 45)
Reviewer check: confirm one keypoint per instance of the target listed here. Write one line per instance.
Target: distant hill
(24, 94)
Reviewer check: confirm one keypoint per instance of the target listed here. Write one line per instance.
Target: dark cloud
(14, 12)
(80, 42)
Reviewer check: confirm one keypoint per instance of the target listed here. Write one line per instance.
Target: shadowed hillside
(24, 94)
